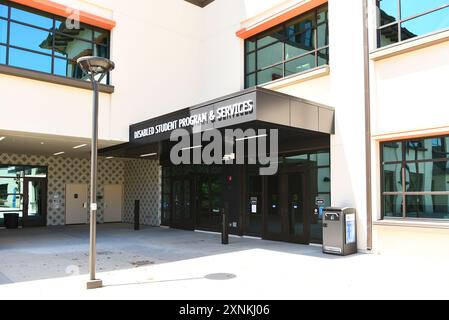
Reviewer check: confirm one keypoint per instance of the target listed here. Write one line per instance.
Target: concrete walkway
(156, 263)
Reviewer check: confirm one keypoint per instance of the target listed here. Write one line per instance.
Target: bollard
(225, 226)
(137, 215)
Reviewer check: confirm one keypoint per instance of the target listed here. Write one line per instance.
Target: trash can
(339, 231)
(11, 220)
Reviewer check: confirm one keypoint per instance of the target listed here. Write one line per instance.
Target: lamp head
(95, 65)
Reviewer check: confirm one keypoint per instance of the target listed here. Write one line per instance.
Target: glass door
(181, 216)
(35, 202)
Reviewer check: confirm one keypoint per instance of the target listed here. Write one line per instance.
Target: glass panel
(101, 37)
(301, 64)
(427, 176)
(323, 57)
(324, 159)
(428, 207)
(392, 151)
(428, 23)
(11, 186)
(250, 63)
(250, 45)
(411, 8)
(39, 172)
(299, 44)
(2, 54)
(11, 171)
(35, 197)
(304, 22)
(178, 201)
(3, 10)
(274, 218)
(10, 204)
(270, 74)
(296, 204)
(3, 31)
(166, 209)
(392, 176)
(101, 51)
(270, 37)
(323, 35)
(324, 180)
(29, 60)
(34, 19)
(250, 81)
(388, 35)
(322, 15)
(418, 150)
(71, 48)
(83, 32)
(393, 206)
(31, 38)
(388, 11)
(67, 68)
(269, 55)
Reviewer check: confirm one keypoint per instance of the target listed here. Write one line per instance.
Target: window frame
(400, 21)
(404, 193)
(283, 62)
(53, 31)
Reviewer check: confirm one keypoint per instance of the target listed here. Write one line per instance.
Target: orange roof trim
(65, 11)
(276, 15)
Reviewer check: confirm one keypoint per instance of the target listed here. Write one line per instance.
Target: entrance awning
(252, 106)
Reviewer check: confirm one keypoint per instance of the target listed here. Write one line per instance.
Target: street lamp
(94, 67)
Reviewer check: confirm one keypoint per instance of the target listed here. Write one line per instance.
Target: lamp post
(94, 67)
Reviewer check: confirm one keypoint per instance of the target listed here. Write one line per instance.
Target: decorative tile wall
(140, 178)
(143, 182)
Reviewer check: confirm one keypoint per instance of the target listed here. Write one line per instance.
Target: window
(293, 47)
(415, 178)
(39, 41)
(399, 20)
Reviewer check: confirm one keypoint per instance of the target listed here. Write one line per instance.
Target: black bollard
(137, 215)
(225, 227)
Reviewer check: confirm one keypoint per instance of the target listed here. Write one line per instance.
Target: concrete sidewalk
(170, 264)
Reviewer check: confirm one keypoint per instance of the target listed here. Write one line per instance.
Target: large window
(399, 20)
(38, 41)
(293, 47)
(415, 178)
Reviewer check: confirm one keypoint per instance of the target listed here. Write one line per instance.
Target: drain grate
(220, 276)
(142, 263)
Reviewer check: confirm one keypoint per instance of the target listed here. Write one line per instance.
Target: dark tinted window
(400, 20)
(293, 47)
(43, 42)
(417, 185)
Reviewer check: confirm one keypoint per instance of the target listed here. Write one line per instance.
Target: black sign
(221, 114)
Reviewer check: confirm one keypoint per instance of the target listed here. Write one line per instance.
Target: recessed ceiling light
(58, 153)
(2, 138)
(42, 143)
(148, 155)
(109, 158)
(80, 146)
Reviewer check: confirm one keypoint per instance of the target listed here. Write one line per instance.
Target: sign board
(226, 113)
(254, 205)
(350, 229)
(319, 202)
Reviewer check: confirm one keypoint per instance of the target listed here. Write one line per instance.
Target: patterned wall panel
(143, 182)
(62, 171)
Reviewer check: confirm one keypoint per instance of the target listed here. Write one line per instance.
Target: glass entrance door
(181, 216)
(286, 208)
(35, 202)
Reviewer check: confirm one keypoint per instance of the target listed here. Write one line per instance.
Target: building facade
(355, 89)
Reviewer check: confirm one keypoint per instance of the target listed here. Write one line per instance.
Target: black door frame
(285, 236)
(26, 221)
(184, 224)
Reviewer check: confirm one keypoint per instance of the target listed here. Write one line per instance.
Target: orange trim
(276, 16)
(438, 131)
(65, 11)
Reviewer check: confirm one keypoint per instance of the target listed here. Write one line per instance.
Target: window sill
(409, 223)
(410, 45)
(298, 78)
(40, 76)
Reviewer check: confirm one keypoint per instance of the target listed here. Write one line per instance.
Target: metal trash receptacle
(11, 220)
(340, 231)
